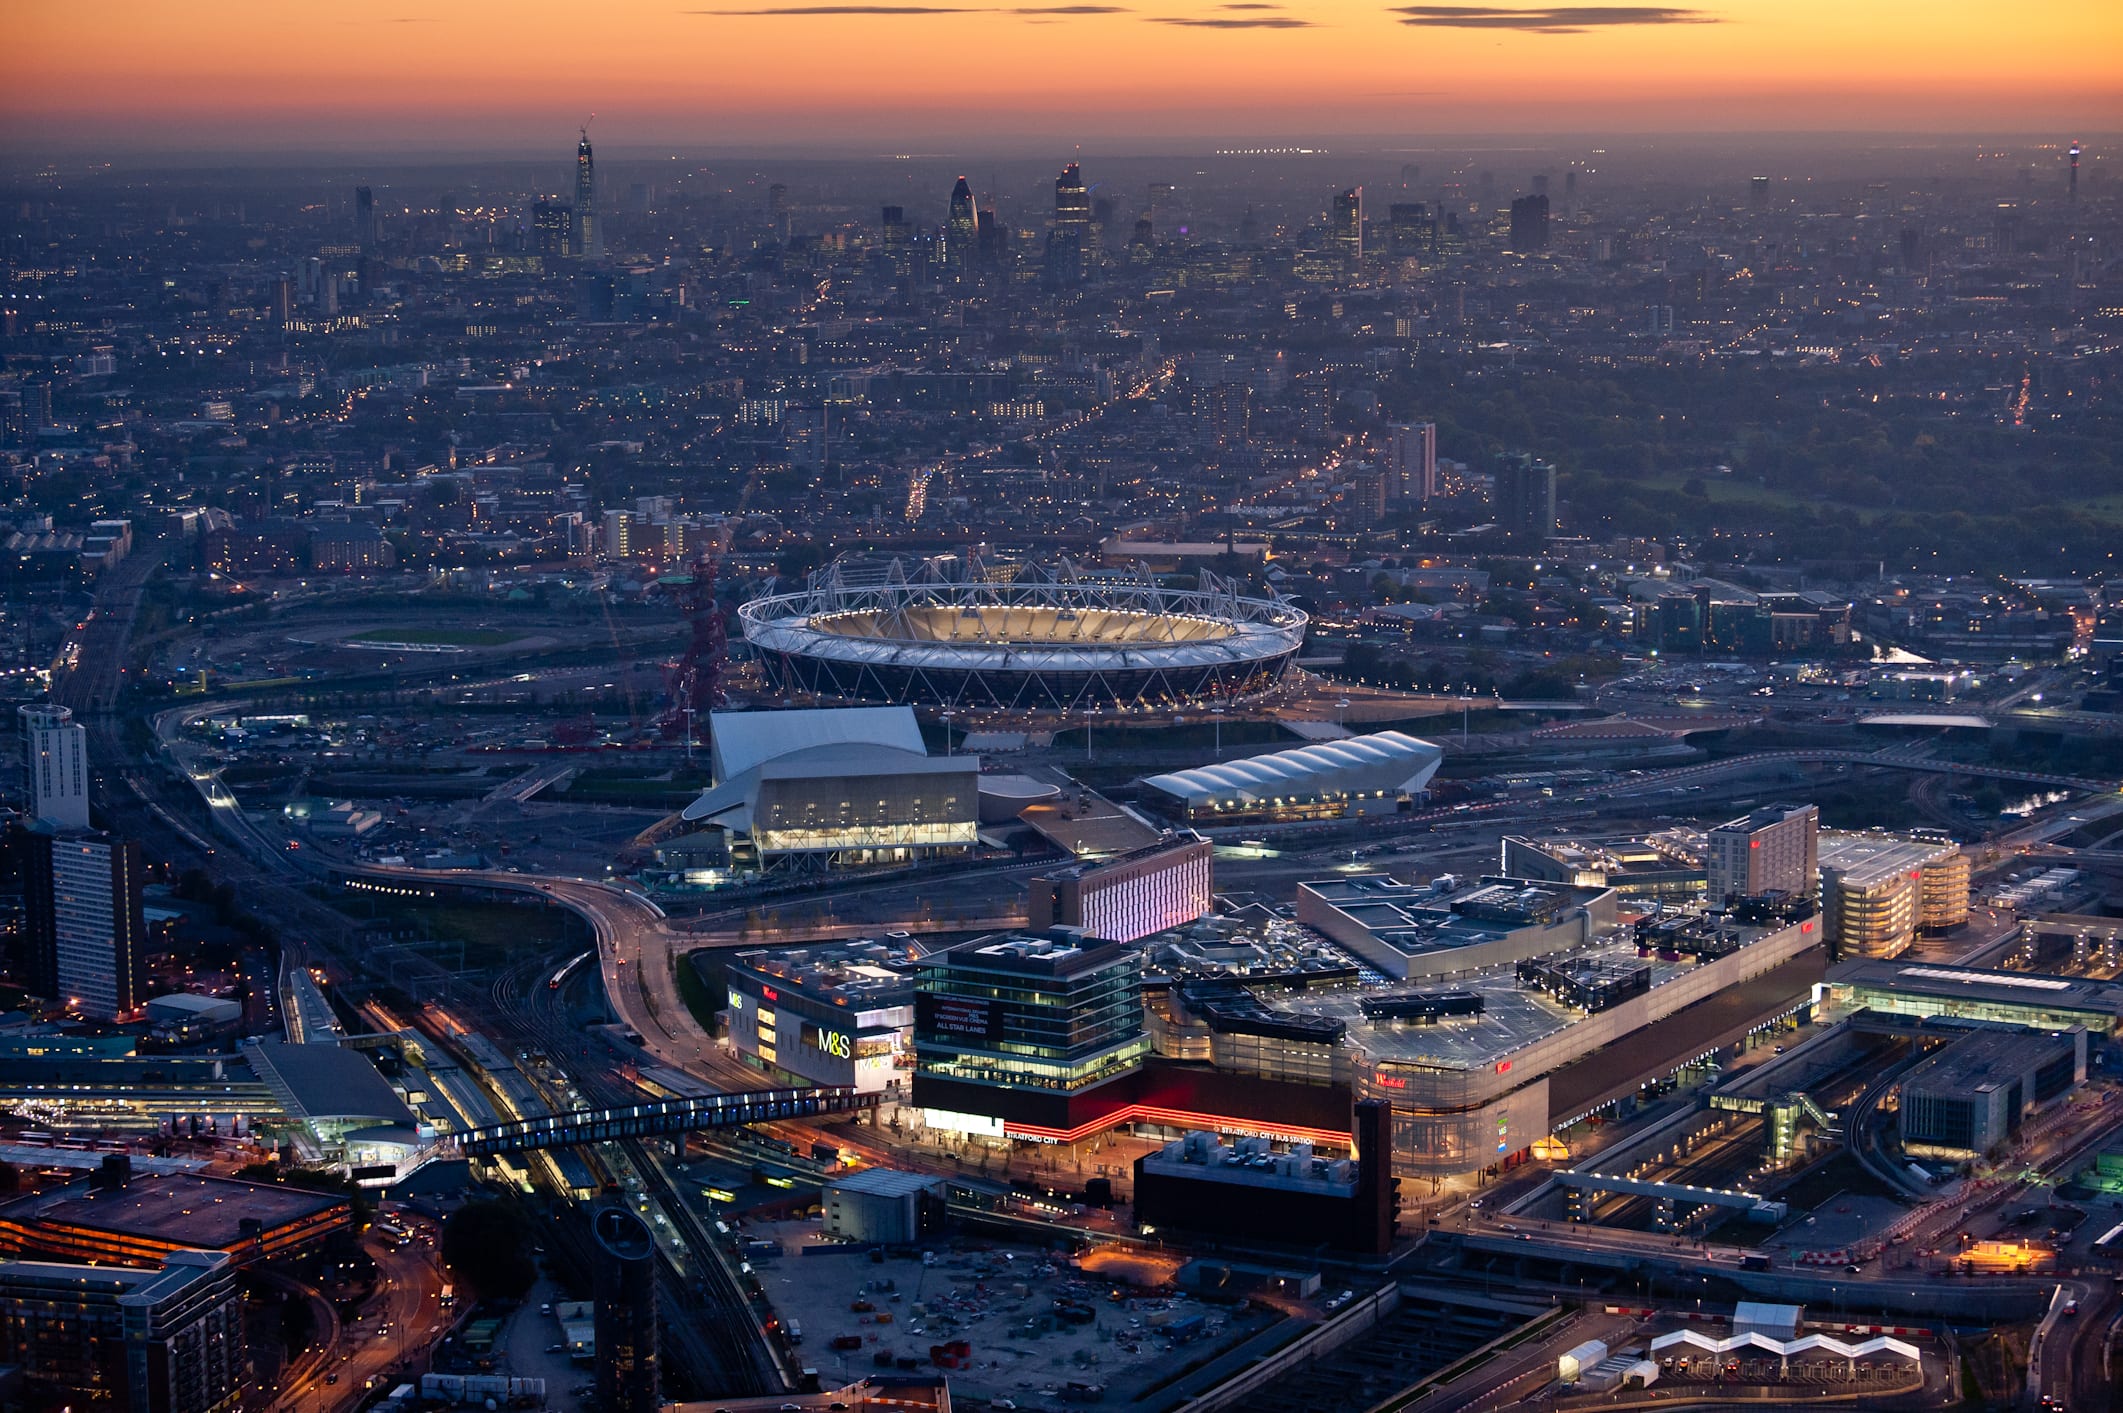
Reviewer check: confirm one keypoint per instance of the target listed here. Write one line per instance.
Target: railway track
(711, 1328)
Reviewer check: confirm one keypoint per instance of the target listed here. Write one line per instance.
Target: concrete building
(835, 787)
(831, 1013)
(1411, 461)
(1430, 931)
(1249, 1191)
(1524, 499)
(1878, 891)
(1128, 897)
(56, 747)
(169, 1340)
(1775, 849)
(1374, 774)
(140, 1222)
(629, 1377)
(883, 1205)
(1972, 1096)
(86, 930)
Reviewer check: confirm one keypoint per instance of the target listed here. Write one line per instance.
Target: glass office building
(1050, 1015)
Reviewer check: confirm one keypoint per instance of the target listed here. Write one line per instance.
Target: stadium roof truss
(1043, 642)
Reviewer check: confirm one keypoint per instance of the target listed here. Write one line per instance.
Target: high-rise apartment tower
(86, 932)
(1411, 461)
(57, 750)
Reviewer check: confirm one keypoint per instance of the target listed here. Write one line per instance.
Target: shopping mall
(1255, 1024)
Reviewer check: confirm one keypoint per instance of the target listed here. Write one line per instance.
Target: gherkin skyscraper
(963, 231)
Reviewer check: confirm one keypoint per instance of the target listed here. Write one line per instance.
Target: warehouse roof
(884, 1182)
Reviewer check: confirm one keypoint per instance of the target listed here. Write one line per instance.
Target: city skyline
(217, 77)
(1140, 667)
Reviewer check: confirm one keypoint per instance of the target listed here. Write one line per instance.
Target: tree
(487, 1245)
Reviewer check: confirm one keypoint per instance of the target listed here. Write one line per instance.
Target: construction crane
(695, 681)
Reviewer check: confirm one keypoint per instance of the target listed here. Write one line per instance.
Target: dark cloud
(796, 10)
(1550, 19)
(1263, 22)
(806, 11)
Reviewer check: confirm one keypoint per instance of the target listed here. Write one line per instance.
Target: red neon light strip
(1176, 1117)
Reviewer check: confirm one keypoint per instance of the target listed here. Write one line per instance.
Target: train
(560, 978)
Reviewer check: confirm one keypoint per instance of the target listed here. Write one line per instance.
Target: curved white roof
(1386, 760)
(745, 739)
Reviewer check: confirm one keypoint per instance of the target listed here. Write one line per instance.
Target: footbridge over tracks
(1673, 1191)
(1687, 1270)
(1893, 758)
(665, 1116)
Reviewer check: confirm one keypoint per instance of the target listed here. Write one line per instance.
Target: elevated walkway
(668, 1116)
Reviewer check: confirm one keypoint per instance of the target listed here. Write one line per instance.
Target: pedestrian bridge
(1678, 1192)
(663, 1116)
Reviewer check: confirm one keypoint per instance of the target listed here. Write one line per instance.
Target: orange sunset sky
(257, 74)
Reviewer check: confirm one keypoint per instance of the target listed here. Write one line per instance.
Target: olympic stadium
(1046, 642)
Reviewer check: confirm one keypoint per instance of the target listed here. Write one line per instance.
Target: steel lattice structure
(1042, 642)
(664, 1116)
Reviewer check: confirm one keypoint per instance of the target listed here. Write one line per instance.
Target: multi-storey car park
(1878, 891)
(1042, 642)
(141, 1221)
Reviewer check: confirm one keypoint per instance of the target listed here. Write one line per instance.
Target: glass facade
(2031, 1012)
(1030, 1013)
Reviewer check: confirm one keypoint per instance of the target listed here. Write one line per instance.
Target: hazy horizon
(243, 76)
